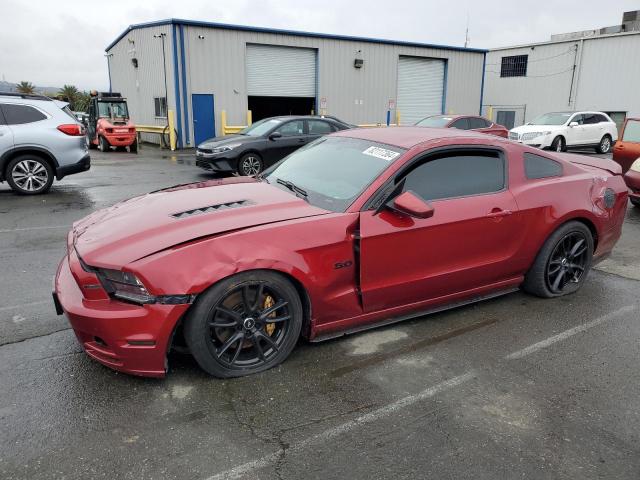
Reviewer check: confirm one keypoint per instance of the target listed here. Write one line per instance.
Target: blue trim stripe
(176, 83)
(484, 66)
(444, 87)
(184, 86)
(245, 28)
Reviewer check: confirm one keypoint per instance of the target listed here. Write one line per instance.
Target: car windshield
(333, 171)
(559, 118)
(260, 128)
(435, 121)
(113, 109)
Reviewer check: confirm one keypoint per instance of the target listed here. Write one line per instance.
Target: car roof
(407, 137)
(22, 97)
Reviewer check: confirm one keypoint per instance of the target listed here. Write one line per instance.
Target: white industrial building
(206, 68)
(589, 70)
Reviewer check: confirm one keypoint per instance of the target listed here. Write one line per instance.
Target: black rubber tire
(535, 281)
(91, 145)
(602, 146)
(133, 148)
(103, 144)
(244, 158)
(197, 330)
(634, 202)
(19, 190)
(559, 140)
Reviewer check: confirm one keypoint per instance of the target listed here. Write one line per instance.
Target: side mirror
(573, 124)
(275, 136)
(413, 205)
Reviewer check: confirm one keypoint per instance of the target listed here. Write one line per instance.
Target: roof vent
(212, 208)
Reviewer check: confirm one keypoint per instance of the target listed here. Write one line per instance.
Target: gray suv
(39, 141)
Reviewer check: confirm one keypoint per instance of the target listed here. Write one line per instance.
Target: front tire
(563, 262)
(635, 202)
(250, 165)
(133, 148)
(29, 175)
(605, 145)
(245, 324)
(558, 144)
(103, 144)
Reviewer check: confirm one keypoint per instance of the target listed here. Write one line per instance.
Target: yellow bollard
(249, 118)
(490, 113)
(223, 122)
(172, 130)
(397, 117)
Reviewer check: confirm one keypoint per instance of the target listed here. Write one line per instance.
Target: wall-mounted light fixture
(201, 37)
(358, 62)
(134, 62)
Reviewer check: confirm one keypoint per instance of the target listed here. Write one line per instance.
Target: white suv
(562, 130)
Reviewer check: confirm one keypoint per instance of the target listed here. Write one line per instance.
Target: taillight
(72, 129)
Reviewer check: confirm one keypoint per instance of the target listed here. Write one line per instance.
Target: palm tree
(69, 93)
(25, 87)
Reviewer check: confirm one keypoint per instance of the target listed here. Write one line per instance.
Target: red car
(357, 229)
(627, 153)
(464, 122)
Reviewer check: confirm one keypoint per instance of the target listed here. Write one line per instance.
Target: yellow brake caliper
(268, 303)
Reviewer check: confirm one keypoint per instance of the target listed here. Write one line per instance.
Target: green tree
(26, 87)
(69, 93)
(82, 102)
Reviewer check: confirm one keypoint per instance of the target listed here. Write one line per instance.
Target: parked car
(561, 131)
(38, 141)
(262, 144)
(464, 122)
(361, 228)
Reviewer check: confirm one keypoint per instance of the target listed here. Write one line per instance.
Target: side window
(578, 118)
(477, 122)
(318, 127)
(536, 166)
(590, 119)
(290, 129)
(457, 175)
(160, 107)
(20, 114)
(461, 124)
(602, 118)
(2, 122)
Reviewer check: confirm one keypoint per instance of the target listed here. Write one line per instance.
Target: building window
(160, 104)
(514, 66)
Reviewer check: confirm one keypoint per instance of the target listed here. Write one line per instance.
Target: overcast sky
(53, 43)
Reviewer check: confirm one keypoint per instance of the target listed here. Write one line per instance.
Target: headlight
(547, 133)
(635, 166)
(124, 285)
(224, 148)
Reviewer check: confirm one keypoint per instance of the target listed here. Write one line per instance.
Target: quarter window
(461, 124)
(20, 114)
(477, 122)
(457, 175)
(514, 66)
(536, 167)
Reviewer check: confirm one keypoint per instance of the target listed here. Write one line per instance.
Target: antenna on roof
(466, 33)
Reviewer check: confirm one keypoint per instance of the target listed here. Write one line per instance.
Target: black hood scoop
(212, 208)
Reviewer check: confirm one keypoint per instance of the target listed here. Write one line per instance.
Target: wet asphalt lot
(515, 387)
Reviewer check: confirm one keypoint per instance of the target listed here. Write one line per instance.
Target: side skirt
(418, 313)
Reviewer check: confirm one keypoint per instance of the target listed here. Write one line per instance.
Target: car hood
(228, 140)
(536, 128)
(141, 226)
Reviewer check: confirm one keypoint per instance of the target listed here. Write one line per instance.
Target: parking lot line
(568, 333)
(323, 437)
(25, 229)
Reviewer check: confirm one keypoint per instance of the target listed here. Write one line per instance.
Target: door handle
(497, 213)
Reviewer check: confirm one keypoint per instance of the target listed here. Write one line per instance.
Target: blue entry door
(204, 124)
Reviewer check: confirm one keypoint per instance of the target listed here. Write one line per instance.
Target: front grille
(212, 208)
(530, 136)
(204, 150)
(204, 164)
(513, 136)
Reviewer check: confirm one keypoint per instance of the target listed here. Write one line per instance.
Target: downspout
(575, 94)
(484, 66)
(176, 84)
(575, 74)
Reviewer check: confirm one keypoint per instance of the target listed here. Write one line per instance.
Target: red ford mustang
(464, 122)
(357, 229)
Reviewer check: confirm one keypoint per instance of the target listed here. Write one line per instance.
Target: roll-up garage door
(274, 71)
(420, 88)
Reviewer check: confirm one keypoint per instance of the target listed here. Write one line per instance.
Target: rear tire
(244, 324)
(29, 175)
(605, 145)
(103, 144)
(92, 146)
(559, 144)
(563, 262)
(133, 148)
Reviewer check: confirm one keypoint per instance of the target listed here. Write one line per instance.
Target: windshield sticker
(382, 153)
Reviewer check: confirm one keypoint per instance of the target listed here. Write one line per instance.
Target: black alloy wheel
(568, 262)
(246, 324)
